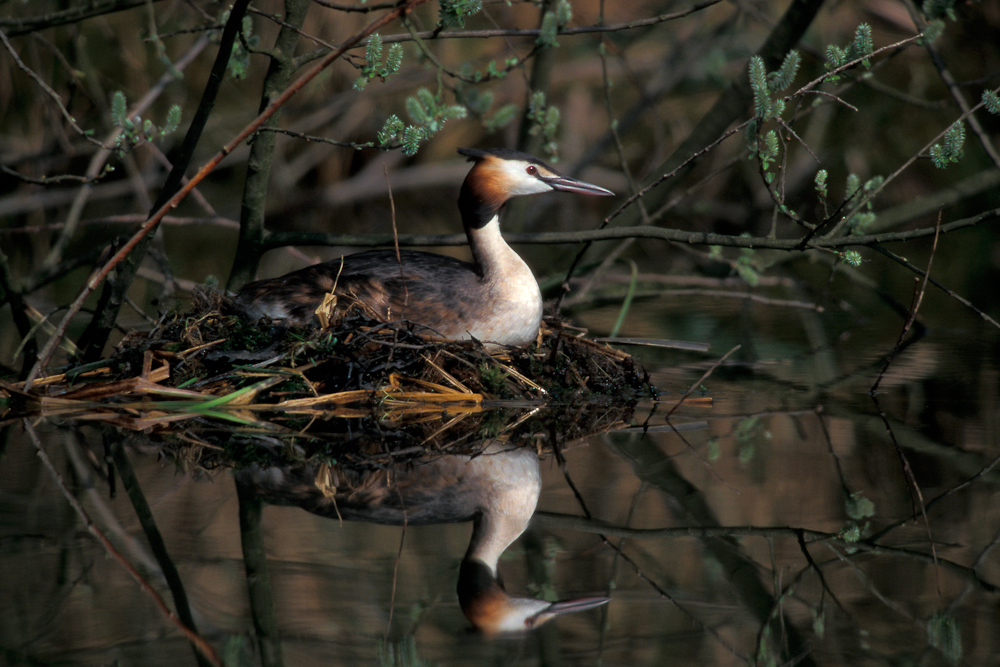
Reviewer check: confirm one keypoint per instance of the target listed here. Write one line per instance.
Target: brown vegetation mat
(210, 378)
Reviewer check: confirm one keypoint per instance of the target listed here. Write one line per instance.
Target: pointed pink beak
(567, 607)
(567, 184)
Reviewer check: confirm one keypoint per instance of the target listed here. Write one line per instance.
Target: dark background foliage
(624, 94)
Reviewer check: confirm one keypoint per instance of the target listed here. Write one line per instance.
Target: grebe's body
(497, 490)
(494, 299)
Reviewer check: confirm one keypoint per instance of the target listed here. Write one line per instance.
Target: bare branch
(98, 276)
(15, 27)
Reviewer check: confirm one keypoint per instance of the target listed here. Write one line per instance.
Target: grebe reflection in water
(497, 490)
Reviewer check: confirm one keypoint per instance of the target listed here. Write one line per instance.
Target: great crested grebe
(494, 299)
(497, 490)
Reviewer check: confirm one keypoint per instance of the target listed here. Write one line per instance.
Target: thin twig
(954, 88)
(48, 91)
(399, 263)
(48, 180)
(535, 32)
(870, 195)
(395, 237)
(635, 566)
(20, 26)
(97, 166)
(633, 186)
(98, 276)
(912, 315)
(910, 319)
(395, 565)
(704, 376)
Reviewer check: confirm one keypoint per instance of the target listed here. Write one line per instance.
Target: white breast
(513, 301)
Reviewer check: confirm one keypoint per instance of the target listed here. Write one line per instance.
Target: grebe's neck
(510, 480)
(481, 219)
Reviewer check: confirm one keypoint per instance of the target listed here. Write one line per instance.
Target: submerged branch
(203, 646)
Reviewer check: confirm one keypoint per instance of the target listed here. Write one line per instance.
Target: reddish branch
(98, 276)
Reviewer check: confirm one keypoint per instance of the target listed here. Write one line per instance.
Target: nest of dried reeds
(209, 376)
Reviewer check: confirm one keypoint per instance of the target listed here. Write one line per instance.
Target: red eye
(532, 170)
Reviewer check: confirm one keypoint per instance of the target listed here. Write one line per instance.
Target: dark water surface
(776, 526)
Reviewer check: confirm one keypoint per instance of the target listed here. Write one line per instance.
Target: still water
(783, 522)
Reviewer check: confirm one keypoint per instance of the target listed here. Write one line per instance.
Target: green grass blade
(628, 300)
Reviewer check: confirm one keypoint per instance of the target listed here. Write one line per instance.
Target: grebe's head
(492, 611)
(501, 174)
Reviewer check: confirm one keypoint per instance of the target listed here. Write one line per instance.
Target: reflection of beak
(566, 184)
(567, 606)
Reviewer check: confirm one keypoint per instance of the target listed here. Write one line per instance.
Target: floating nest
(357, 388)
